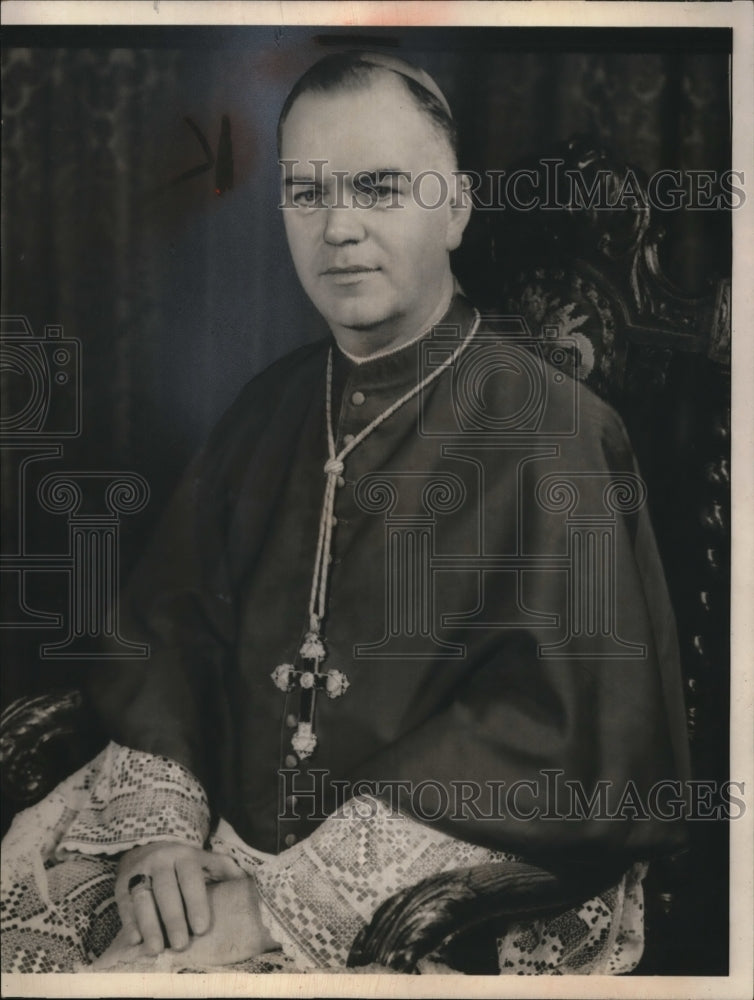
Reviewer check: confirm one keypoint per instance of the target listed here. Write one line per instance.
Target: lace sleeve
(131, 798)
(317, 895)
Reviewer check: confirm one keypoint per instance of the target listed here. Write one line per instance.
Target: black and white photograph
(376, 499)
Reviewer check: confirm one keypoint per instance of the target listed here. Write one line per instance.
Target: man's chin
(361, 318)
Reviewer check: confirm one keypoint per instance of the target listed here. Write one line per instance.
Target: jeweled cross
(333, 682)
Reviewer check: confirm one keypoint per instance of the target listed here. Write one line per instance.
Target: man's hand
(236, 932)
(178, 897)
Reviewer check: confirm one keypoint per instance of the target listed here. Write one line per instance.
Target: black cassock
(495, 601)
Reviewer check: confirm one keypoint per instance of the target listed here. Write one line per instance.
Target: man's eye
(376, 190)
(306, 197)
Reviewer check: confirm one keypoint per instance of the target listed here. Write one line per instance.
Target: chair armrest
(417, 920)
(43, 739)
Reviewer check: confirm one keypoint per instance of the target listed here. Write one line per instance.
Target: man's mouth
(351, 269)
(352, 276)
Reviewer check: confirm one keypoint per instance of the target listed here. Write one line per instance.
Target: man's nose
(344, 224)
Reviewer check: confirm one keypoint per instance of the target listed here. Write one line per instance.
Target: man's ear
(460, 208)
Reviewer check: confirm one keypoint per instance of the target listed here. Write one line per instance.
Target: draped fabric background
(179, 295)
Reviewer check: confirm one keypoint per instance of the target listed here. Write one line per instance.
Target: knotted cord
(313, 648)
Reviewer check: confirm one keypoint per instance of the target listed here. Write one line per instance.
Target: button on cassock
(358, 398)
(291, 759)
(290, 839)
(291, 721)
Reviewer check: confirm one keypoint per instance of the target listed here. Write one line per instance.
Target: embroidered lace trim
(58, 913)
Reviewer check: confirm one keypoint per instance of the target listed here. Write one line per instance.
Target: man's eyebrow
(311, 181)
(382, 172)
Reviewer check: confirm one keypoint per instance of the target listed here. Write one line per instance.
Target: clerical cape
(495, 602)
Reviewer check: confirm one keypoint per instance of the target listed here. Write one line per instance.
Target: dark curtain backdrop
(179, 295)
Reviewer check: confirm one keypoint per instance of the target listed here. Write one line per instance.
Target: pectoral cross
(333, 682)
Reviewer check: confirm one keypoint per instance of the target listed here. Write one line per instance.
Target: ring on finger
(140, 883)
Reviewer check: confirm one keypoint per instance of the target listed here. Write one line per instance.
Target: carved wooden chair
(662, 359)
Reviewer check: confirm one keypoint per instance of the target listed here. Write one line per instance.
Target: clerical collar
(388, 373)
(437, 315)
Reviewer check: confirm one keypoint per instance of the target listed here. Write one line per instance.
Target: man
(363, 581)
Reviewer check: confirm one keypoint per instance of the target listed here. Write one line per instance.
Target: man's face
(369, 242)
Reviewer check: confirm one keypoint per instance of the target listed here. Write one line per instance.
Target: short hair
(353, 70)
